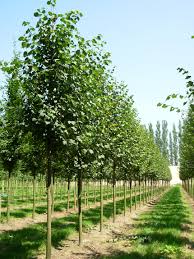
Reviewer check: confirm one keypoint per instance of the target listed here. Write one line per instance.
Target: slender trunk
(131, 195)
(79, 182)
(26, 200)
(75, 198)
(114, 191)
(124, 185)
(107, 191)
(191, 187)
(60, 189)
(135, 195)
(101, 204)
(1, 195)
(95, 192)
(87, 194)
(143, 192)
(139, 192)
(53, 192)
(49, 200)
(68, 193)
(22, 188)
(34, 194)
(8, 195)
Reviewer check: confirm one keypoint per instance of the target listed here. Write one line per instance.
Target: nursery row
(29, 197)
(65, 116)
(29, 241)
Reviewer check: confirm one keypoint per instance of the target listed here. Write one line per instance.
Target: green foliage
(158, 137)
(186, 147)
(65, 114)
(165, 139)
(175, 144)
(67, 98)
(10, 130)
(171, 149)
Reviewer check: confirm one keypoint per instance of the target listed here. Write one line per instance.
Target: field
(160, 226)
(81, 176)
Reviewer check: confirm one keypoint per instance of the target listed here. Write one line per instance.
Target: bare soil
(16, 224)
(98, 243)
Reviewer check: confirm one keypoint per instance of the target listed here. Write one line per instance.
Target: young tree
(150, 129)
(63, 75)
(175, 144)
(158, 140)
(165, 139)
(186, 147)
(171, 149)
(10, 121)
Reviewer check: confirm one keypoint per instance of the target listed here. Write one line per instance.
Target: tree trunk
(151, 189)
(61, 189)
(79, 182)
(114, 192)
(131, 195)
(34, 194)
(75, 197)
(135, 195)
(95, 192)
(107, 190)
(139, 192)
(87, 194)
(124, 185)
(68, 193)
(1, 193)
(53, 192)
(101, 204)
(8, 195)
(49, 201)
(145, 190)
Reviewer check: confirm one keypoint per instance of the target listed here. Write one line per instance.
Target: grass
(60, 205)
(30, 241)
(159, 232)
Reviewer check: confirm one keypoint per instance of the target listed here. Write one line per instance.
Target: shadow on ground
(158, 232)
(29, 242)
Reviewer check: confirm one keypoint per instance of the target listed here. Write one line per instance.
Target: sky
(148, 40)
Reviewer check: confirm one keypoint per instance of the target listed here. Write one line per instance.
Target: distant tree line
(167, 140)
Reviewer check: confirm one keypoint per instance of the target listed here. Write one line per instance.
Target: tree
(75, 115)
(150, 128)
(10, 119)
(171, 149)
(175, 144)
(61, 77)
(158, 140)
(165, 139)
(186, 147)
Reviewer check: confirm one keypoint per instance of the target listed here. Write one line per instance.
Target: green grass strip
(29, 241)
(159, 233)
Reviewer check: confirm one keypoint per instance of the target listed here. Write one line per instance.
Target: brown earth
(98, 243)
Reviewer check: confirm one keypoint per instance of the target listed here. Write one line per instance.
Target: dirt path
(95, 243)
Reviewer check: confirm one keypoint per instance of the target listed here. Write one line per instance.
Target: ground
(163, 228)
(157, 230)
